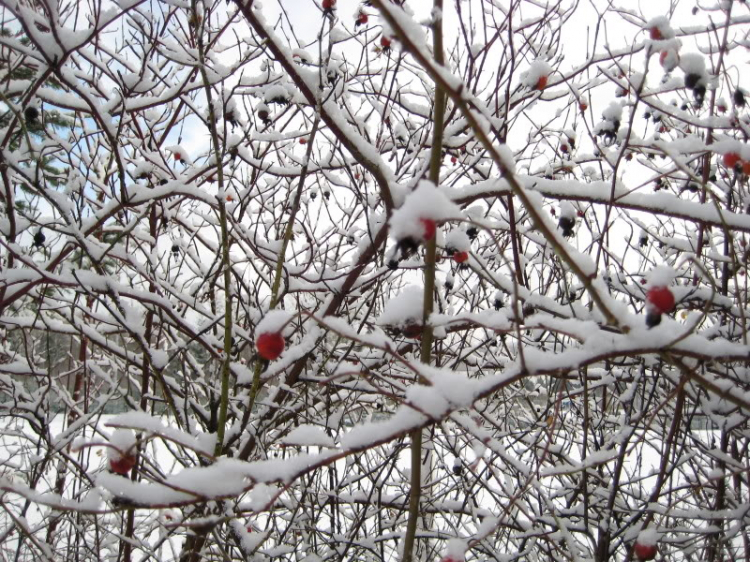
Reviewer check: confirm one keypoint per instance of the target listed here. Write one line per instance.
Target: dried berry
(739, 98)
(39, 239)
(407, 246)
(566, 225)
(263, 113)
(699, 94)
(692, 80)
(412, 330)
(31, 113)
(653, 319)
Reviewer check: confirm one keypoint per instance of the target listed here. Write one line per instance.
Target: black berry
(31, 113)
(739, 98)
(653, 319)
(39, 239)
(699, 94)
(566, 225)
(691, 80)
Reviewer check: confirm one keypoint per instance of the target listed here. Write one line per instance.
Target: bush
(373, 282)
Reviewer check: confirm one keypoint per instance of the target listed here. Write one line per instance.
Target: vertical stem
(436, 157)
(191, 550)
(275, 289)
(224, 404)
(225, 242)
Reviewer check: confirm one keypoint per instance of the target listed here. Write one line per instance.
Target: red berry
(541, 83)
(385, 42)
(177, 156)
(362, 18)
(329, 4)
(270, 345)
(454, 159)
(721, 108)
(122, 464)
(449, 559)
(746, 168)
(303, 141)
(660, 299)
(564, 148)
(655, 33)
(460, 257)
(645, 551)
(731, 159)
(583, 106)
(429, 228)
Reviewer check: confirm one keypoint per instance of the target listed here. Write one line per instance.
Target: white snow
(661, 276)
(123, 443)
(649, 537)
(273, 321)
(536, 70)
(425, 202)
(405, 307)
(308, 435)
